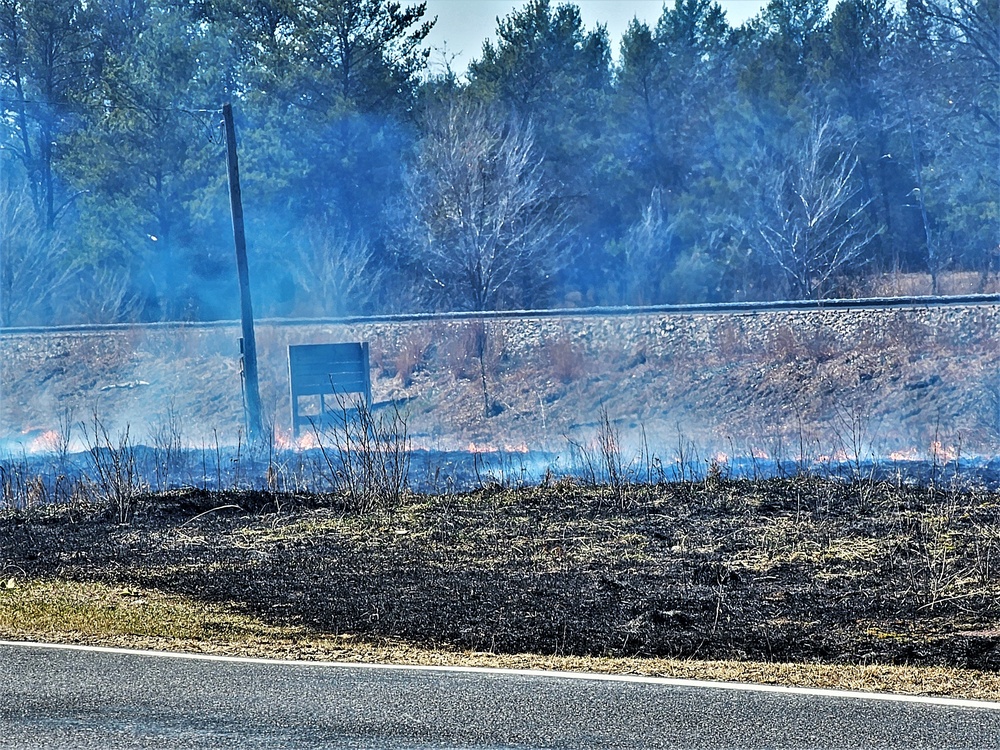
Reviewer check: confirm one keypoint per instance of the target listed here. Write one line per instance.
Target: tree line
(798, 155)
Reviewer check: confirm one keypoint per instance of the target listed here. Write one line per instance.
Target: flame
(838, 456)
(943, 453)
(759, 454)
(521, 447)
(481, 448)
(720, 458)
(47, 441)
(283, 440)
(307, 441)
(908, 454)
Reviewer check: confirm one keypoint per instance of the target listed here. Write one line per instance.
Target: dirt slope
(782, 384)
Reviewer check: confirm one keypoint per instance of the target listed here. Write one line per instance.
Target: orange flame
(283, 440)
(521, 447)
(481, 448)
(307, 441)
(943, 453)
(47, 442)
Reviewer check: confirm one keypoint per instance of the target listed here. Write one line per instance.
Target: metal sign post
(251, 392)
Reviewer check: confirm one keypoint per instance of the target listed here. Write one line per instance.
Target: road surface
(59, 697)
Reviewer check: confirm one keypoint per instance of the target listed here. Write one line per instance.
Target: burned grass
(801, 577)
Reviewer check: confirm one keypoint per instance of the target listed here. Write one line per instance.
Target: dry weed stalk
(367, 455)
(853, 428)
(605, 464)
(167, 445)
(117, 478)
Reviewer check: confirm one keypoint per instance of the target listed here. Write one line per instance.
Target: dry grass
(53, 608)
(60, 611)
(912, 284)
(799, 581)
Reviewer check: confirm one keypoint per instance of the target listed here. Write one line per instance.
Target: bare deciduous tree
(809, 218)
(30, 269)
(484, 224)
(335, 271)
(102, 294)
(645, 255)
(975, 25)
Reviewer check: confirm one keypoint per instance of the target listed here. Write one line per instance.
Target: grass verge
(96, 614)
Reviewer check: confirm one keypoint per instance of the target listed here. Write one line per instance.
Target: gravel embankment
(767, 383)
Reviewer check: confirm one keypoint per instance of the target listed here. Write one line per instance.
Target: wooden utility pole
(251, 389)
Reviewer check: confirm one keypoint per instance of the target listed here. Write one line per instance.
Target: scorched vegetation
(802, 570)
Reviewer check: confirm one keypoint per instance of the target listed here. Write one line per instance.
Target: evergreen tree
(553, 74)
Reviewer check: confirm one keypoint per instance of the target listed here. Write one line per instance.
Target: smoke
(786, 387)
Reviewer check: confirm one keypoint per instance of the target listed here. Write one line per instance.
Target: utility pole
(248, 344)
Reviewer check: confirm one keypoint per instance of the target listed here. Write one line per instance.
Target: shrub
(564, 359)
(116, 474)
(412, 355)
(367, 455)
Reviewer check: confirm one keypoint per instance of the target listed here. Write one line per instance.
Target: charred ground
(800, 569)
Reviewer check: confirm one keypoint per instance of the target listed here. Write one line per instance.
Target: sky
(462, 25)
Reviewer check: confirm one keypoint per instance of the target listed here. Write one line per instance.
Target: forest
(807, 153)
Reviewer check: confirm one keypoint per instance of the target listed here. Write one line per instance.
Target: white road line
(669, 681)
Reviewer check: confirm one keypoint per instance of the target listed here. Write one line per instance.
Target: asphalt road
(56, 698)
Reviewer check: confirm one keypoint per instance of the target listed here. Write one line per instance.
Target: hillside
(911, 383)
